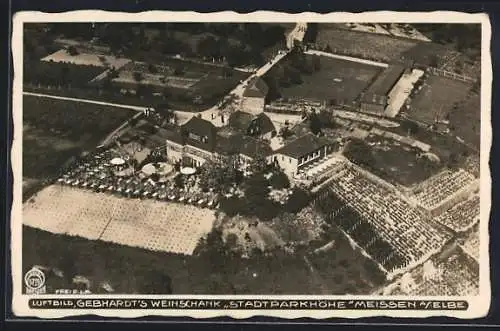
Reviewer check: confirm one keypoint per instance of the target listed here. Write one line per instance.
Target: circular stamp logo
(34, 279)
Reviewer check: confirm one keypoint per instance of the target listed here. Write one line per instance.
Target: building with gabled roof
(300, 152)
(254, 96)
(376, 98)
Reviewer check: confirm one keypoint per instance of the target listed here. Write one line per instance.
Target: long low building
(376, 98)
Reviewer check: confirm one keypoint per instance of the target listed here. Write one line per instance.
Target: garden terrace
(96, 173)
(442, 187)
(387, 227)
(461, 216)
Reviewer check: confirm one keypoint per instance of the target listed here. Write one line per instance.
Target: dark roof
(303, 145)
(253, 147)
(265, 123)
(240, 120)
(238, 143)
(171, 133)
(199, 133)
(228, 144)
(245, 122)
(385, 81)
(256, 88)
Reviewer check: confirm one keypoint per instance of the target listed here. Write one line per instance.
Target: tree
(179, 70)
(315, 123)
(316, 62)
(179, 181)
(433, 60)
(285, 132)
(138, 76)
(152, 68)
(360, 153)
(258, 165)
(256, 187)
(72, 50)
(297, 200)
(279, 180)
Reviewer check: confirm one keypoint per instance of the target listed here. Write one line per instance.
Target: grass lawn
(337, 79)
(56, 130)
(436, 98)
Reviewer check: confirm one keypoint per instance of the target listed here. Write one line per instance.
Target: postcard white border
(479, 305)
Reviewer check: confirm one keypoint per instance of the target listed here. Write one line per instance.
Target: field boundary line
(102, 103)
(347, 58)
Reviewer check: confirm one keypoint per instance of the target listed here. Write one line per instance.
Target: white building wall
(174, 152)
(286, 163)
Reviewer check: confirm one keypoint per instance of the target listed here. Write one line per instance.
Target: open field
(362, 44)
(148, 224)
(436, 98)
(55, 130)
(337, 79)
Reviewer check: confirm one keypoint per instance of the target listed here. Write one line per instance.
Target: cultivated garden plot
(147, 224)
(99, 60)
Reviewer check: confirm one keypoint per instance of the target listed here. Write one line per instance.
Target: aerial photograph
(246, 158)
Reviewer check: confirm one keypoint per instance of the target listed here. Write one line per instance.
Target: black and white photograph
(308, 157)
